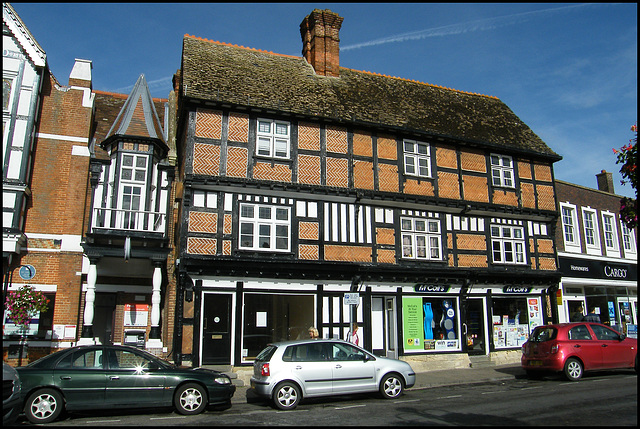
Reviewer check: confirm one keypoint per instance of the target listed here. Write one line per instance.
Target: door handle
(65, 378)
(338, 366)
(114, 377)
(298, 367)
(577, 346)
(605, 345)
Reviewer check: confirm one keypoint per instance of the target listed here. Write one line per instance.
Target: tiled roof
(107, 107)
(138, 116)
(214, 71)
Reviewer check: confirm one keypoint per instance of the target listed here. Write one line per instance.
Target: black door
(104, 308)
(216, 329)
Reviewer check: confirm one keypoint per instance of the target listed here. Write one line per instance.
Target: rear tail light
(554, 349)
(264, 369)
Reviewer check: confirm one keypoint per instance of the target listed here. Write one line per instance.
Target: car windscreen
(541, 334)
(266, 353)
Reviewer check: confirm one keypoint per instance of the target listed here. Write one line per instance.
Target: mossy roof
(219, 72)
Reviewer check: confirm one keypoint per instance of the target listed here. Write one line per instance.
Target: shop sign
(431, 288)
(516, 289)
(136, 314)
(588, 268)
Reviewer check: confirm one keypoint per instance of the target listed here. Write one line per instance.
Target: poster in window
(136, 314)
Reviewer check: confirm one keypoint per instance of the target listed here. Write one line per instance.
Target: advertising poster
(412, 322)
(535, 313)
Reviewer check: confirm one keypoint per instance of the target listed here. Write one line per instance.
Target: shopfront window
(513, 320)
(269, 318)
(430, 324)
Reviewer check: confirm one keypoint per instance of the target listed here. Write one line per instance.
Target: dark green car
(103, 376)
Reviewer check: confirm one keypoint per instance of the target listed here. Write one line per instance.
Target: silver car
(286, 372)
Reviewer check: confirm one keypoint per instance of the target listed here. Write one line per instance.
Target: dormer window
(502, 171)
(273, 139)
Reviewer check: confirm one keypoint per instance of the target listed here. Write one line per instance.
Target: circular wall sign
(27, 272)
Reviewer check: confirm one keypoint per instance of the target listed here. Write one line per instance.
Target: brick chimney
(605, 182)
(320, 41)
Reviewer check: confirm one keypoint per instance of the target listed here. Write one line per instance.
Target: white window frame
(610, 232)
(421, 238)
(205, 199)
(261, 228)
(502, 171)
(12, 92)
(417, 158)
(590, 215)
(629, 244)
(272, 143)
(570, 225)
(508, 243)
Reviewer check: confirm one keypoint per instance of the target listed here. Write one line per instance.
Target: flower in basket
(24, 303)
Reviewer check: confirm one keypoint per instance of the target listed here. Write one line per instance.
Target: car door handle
(298, 367)
(577, 346)
(338, 366)
(65, 378)
(114, 377)
(605, 345)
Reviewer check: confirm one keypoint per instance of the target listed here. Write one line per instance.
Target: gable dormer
(131, 184)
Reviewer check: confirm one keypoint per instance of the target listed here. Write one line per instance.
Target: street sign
(352, 298)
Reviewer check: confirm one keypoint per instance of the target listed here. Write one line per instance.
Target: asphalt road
(598, 399)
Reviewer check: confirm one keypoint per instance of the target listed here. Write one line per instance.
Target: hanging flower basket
(24, 303)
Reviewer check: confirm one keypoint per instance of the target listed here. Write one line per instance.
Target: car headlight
(221, 379)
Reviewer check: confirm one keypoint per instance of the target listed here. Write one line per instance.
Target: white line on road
(350, 406)
(407, 401)
(167, 418)
(101, 421)
(491, 393)
(449, 397)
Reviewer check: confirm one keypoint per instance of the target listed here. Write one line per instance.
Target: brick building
(87, 213)
(302, 181)
(46, 128)
(597, 255)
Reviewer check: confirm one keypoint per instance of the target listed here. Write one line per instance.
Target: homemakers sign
(602, 270)
(431, 288)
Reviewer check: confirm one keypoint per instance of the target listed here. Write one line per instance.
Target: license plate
(535, 363)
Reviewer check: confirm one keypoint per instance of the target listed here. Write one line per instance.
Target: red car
(574, 348)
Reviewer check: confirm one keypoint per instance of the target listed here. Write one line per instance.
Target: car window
(82, 359)
(579, 332)
(306, 353)
(604, 333)
(266, 353)
(125, 359)
(543, 334)
(346, 352)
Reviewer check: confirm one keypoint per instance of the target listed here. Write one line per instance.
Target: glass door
(474, 328)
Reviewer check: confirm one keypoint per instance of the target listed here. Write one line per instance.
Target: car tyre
(190, 398)
(391, 386)
(286, 395)
(573, 369)
(44, 406)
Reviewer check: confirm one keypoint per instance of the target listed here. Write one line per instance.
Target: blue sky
(568, 70)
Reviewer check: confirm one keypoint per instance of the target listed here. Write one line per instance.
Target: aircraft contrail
(465, 27)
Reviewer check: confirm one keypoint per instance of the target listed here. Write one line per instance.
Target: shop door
(216, 329)
(575, 309)
(474, 327)
(384, 327)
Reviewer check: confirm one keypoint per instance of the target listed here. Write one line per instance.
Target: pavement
(437, 378)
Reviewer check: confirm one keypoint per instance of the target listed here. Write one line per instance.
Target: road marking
(350, 406)
(531, 388)
(291, 411)
(405, 402)
(491, 393)
(89, 422)
(167, 418)
(449, 397)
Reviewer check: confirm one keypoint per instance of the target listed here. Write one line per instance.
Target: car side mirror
(622, 337)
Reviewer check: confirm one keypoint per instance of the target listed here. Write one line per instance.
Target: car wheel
(573, 369)
(286, 395)
(391, 386)
(191, 398)
(44, 406)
